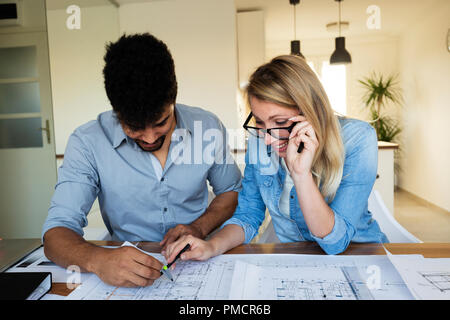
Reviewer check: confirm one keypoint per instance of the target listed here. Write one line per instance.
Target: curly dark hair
(140, 79)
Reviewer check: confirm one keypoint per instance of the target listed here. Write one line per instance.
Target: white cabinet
(384, 184)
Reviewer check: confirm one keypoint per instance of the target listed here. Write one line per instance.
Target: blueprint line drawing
(260, 276)
(441, 280)
(314, 289)
(193, 280)
(356, 283)
(315, 277)
(426, 278)
(298, 283)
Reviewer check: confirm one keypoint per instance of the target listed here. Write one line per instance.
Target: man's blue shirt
(139, 201)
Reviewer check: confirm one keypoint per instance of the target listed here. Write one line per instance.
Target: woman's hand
(199, 250)
(180, 230)
(300, 164)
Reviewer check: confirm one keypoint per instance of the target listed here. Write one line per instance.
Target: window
(333, 79)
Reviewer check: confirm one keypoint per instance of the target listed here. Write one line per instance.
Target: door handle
(47, 130)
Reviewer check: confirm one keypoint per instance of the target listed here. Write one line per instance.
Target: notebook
(24, 285)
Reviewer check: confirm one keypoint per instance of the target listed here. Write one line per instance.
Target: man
(141, 161)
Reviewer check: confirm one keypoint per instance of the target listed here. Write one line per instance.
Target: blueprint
(350, 280)
(268, 276)
(427, 278)
(312, 277)
(193, 280)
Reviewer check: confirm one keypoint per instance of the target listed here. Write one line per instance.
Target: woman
(319, 194)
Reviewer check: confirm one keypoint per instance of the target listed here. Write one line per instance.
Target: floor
(426, 222)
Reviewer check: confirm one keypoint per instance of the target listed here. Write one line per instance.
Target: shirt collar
(118, 135)
(182, 123)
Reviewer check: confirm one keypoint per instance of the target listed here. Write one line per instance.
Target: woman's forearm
(318, 215)
(229, 237)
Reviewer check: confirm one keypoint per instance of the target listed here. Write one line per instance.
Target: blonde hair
(288, 81)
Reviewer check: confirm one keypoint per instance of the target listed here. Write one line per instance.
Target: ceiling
(314, 15)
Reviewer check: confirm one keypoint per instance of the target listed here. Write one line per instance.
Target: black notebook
(24, 285)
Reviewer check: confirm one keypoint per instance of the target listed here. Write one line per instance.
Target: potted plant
(379, 93)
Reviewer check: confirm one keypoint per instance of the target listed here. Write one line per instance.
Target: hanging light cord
(295, 24)
(339, 18)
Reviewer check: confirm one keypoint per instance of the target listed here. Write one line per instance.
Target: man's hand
(219, 210)
(180, 230)
(124, 266)
(127, 267)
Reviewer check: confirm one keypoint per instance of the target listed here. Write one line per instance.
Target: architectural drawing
(441, 280)
(280, 276)
(193, 280)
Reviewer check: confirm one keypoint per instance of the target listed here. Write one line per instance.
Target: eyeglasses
(280, 133)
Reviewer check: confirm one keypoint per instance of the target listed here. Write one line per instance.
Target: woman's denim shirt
(263, 184)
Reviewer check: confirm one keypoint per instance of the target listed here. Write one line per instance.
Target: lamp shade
(295, 48)
(340, 54)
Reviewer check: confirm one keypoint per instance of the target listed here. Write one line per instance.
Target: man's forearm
(220, 209)
(65, 247)
(122, 267)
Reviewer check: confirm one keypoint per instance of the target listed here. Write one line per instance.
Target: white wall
(201, 35)
(425, 66)
(374, 54)
(251, 43)
(251, 54)
(76, 64)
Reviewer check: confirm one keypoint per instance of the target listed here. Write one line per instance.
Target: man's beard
(159, 142)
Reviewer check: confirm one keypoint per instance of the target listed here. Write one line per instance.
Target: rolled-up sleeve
(250, 211)
(350, 202)
(76, 189)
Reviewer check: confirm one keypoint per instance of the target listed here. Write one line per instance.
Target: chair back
(394, 231)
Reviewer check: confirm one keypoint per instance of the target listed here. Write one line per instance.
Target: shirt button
(165, 209)
(162, 179)
(292, 197)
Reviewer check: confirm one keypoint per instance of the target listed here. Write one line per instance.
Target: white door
(27, 148)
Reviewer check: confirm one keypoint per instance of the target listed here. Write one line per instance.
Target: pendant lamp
(340, 54)
(295, 44)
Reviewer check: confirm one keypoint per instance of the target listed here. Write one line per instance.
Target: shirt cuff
(56, 223)
(249, 231)
(337, 233)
